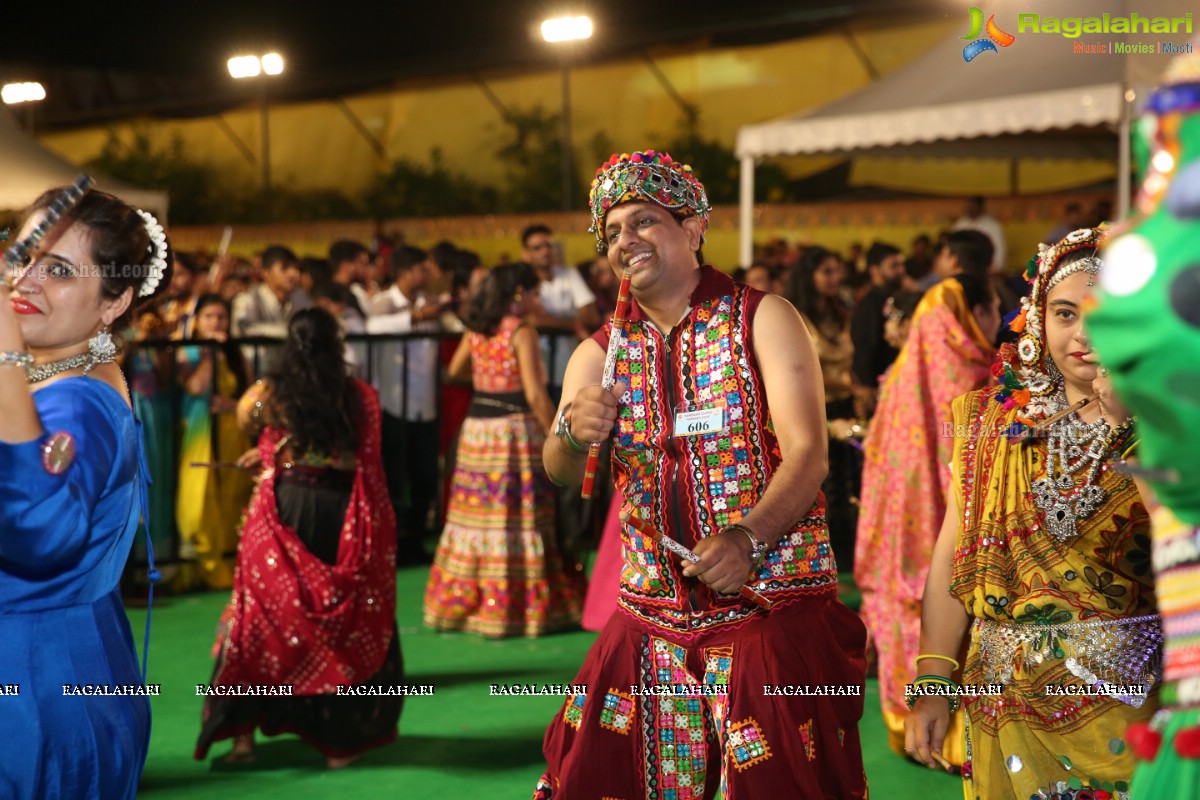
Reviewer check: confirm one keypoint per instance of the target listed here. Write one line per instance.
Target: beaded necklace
(46, 371)
(1073, 447)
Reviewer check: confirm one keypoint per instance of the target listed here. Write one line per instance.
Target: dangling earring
(1056, 377)
(101, 349)
(515, 310)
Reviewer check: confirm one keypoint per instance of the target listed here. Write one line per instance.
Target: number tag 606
(700, 423)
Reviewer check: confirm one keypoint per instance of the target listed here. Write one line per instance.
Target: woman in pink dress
(906, 474)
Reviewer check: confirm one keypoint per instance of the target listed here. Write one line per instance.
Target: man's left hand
(724, 561)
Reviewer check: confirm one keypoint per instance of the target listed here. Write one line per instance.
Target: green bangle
(933, 679)
(563, 430)
(953, 700)
(576, 446)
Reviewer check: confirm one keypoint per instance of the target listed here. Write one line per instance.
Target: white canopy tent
(1036, 98)
(28, 169)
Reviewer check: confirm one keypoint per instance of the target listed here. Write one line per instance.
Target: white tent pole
(746, 212)
(1123, 158)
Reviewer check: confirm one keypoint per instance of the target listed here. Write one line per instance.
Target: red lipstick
(22, 306)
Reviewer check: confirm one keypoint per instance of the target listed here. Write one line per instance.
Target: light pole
(29, 92)
(566, 30)
(243, 67)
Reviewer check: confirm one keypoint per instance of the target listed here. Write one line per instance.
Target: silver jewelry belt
(1123, 652)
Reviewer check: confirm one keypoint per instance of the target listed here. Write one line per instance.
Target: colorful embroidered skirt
(767, 709)
(497, 571)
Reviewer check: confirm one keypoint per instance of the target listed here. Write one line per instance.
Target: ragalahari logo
(995, 36)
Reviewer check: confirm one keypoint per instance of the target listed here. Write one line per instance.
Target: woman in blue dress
(72, 486)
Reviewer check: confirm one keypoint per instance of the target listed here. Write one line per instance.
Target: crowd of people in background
(405, 308)
(388, 396)
(468, 361)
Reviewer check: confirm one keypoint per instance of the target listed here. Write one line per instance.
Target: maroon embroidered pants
(768, 708)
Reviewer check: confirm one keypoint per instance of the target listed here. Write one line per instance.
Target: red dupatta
(294, 619)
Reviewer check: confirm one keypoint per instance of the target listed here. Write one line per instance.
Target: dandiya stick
(1046, 423)
(1167, 476)
(1041, 427)
(946, 765)
(15, 256)
(222, 249)
(608, 378)
(643, 527)
(216, 464)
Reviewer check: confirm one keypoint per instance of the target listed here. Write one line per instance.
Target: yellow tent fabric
(315, 145)
(971, 176)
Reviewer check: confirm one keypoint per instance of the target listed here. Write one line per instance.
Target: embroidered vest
(690, 487)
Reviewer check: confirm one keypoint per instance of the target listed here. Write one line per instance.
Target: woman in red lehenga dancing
(497, 571)
(314, 592)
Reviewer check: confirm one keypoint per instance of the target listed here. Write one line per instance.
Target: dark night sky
(105, 60)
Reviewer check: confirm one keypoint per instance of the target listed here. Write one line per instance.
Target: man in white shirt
(976, 218)
(568, 304)
(406, 375)
(265, 309)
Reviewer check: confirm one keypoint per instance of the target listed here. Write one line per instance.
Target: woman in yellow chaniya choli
(210, 497)
(1051, 563)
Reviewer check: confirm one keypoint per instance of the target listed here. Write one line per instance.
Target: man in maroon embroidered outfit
(718, 435)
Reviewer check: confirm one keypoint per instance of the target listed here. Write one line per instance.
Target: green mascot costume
(1145, 325)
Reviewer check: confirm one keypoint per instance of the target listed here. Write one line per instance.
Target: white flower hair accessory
(158, 254)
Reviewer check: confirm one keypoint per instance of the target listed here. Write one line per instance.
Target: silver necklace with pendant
(1073, 448)
(101, 350)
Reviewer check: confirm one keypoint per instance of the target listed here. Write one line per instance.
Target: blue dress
(63, 543)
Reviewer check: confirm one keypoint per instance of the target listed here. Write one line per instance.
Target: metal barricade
(152, 370)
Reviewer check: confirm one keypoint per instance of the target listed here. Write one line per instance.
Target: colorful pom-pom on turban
(649, 177)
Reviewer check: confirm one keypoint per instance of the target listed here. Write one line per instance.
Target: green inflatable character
(1145, 325)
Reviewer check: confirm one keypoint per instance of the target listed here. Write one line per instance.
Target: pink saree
(905, 478)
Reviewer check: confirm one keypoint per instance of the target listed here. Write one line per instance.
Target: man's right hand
(594, 412)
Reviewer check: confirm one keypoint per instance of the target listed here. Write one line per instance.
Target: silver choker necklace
(1073, 447)
(87, 360)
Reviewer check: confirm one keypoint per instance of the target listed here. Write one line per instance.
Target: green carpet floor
(459, 744)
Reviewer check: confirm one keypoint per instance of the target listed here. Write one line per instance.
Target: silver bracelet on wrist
(758, 549)
(563, 431)
(16, 359)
